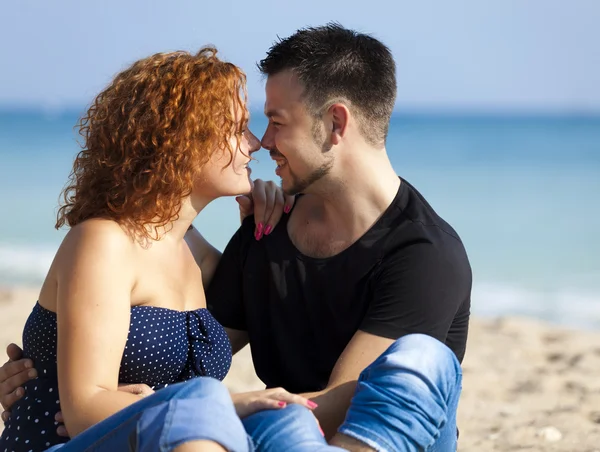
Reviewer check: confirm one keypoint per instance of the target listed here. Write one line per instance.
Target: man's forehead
(281, 90)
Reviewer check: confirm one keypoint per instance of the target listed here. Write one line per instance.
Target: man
(362, 259)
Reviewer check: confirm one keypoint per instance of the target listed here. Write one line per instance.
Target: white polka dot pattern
(163, 347)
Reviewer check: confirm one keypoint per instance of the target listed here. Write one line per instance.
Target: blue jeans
(405, 401)
(198, 409)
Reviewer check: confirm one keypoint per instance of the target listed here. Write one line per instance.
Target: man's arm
(334, 400)
(418, 289)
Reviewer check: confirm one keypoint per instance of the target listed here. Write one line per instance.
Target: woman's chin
(244, 188)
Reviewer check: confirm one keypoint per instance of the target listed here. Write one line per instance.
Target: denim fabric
(198, 409)
(407, 399)
(291, 429)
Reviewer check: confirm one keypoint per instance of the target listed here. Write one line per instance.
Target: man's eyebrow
(273, 112)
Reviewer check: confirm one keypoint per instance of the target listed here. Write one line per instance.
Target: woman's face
(219, 177)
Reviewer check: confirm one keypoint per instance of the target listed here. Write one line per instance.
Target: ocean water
(523, 193)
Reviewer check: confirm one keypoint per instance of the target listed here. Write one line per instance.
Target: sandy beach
(527, 385)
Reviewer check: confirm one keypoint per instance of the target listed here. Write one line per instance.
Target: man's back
(409, 273)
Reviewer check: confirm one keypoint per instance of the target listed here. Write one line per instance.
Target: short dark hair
(334, 62)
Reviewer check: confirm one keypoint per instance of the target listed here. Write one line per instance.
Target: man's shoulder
(420, 220)
(419, 233)
(247, 226)
(247, 244)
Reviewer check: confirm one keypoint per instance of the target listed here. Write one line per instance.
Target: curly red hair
(148, 134)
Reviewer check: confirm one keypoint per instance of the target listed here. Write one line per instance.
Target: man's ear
(340, 116)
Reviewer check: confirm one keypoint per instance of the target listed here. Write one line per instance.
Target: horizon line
(440, 112)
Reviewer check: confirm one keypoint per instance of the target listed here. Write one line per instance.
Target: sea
(523, 192)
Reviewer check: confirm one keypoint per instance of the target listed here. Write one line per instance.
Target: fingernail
(28, 364)
(268, 229)
(20, 392)
(321, 430)
(281, 404)
(287, 209)
(61, 430)
(259, 231)
(312, 404)
(32, 373)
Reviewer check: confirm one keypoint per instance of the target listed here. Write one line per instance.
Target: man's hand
(268, 203)
(13, 375)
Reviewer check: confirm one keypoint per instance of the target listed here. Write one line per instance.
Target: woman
(124, 298)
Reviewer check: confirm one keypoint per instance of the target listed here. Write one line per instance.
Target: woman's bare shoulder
(91, 249)
(98, 238)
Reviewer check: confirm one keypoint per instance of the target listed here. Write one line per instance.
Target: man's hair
(333, 64)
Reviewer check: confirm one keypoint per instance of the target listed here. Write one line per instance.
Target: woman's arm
(206, 256)
(267, 203)
(95, 273)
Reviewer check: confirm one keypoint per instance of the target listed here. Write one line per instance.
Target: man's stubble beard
(300, 185)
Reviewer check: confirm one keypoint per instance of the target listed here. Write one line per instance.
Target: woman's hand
(247, 403)
(268, 203)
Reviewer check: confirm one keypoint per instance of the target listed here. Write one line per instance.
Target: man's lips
(279, 159)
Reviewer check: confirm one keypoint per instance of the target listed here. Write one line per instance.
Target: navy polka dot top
(163, 347)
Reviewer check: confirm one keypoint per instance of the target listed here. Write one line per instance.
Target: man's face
(295, 139)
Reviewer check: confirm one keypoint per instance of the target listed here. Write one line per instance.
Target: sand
(527, 385)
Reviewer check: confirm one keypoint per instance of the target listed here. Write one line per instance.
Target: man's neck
(337, 213)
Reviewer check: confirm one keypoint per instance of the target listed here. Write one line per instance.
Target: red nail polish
(268, 229)
(321, 430)
(259, 228)
(312, 404)
(287, 209)
(281, 404)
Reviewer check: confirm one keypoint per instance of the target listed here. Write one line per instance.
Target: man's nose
(267, 140)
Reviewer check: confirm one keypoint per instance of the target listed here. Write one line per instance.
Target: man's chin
(292, 191)
(288, 189)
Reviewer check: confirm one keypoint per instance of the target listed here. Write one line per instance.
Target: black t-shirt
(409, 273)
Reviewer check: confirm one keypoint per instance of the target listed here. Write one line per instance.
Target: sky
(466, 55)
